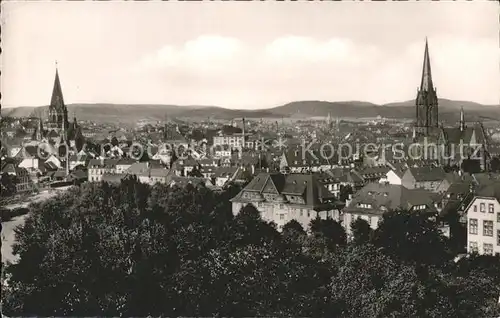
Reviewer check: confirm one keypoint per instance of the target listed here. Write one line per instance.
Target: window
(498, 217)
(491, 208)
(498, 237)
(472, 247)
(475, 208)
(488, 249)
(281, 206)
(472, 226)
(487, 228)
(308, 214)
(301, 212)
(282, 216)
(483, 207)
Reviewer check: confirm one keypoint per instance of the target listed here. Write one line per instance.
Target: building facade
(281, 198)
(483, 221)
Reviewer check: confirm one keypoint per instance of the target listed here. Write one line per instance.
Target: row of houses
(281, 198)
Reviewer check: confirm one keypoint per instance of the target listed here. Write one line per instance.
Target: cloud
(296, 67)
(304, 49)
(205, 53)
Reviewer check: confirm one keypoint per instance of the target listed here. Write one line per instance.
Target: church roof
(454, 135)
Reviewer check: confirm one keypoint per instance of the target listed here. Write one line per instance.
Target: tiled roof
(9, 168)
(422, 174)
(486, 178)
(137, 168)
(307, 186)
(383, 197)
(295, 157)
(125, 161)
(491, 190)
(343, 175)
(373, 172)
(106, 163)
(454, 135)
(224, 172)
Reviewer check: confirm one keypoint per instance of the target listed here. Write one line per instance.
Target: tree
(8, 183)
(361, 231)
(413, 237)
(330, 229)
(495, 164)
(135, 250)
(293, 232)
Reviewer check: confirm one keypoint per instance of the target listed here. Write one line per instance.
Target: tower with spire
(427, 116)
(58, 113)
(462, 119)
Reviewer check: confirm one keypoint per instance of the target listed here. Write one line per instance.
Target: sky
(247, 55)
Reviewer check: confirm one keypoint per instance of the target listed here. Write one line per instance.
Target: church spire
(462, 119)
(57, 100)
(427, 101)
(426, 83)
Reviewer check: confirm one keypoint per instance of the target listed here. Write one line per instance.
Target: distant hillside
(125, 113)
(448, 110)
(132, 113)
(443, 104)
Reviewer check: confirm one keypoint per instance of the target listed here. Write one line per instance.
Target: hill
(129, 113)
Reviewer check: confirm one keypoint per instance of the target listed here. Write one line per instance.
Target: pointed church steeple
(426, 83)
(58, 113)
(57, 99)
(427, 114)
(462, 119)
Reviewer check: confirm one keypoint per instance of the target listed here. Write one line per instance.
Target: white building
(281, 198)
(483, 220)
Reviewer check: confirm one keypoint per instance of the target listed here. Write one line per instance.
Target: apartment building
(98, 167)
(281, 198)
(483, 220)
(375, 199)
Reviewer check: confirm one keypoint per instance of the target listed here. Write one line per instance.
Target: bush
(9, 214)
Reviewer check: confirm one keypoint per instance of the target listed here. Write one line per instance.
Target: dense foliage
(135, 250)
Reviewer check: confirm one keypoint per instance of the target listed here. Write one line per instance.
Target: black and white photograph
(250, 159)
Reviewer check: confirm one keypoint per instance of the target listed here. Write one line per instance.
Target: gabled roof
(9, 168)
(225, 172)
(137, 168)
